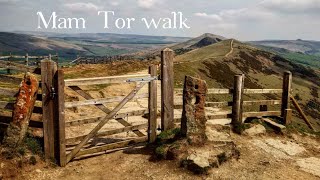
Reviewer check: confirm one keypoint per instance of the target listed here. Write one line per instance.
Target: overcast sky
(240, 19)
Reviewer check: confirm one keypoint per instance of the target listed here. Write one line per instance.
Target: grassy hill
(303, 46)
(262, 69)
(85, 44)
(297, 57)
(21, 44)
(186, 46)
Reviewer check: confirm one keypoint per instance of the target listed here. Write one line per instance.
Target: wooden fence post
(59, 118)
(287, 116)
(167, 89)
(27, 60)
(152, 104)
(48, 71)
(286, 87)
(237, 106)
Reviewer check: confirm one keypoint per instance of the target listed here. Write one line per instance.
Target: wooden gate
(64, 150)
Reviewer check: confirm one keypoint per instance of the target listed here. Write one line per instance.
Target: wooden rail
(18, 67)
(245, 91)
(98, 119)
(103, 80)
(76, 150)
(102, 101)
(245, 103)
(111, 146)
(108, 133)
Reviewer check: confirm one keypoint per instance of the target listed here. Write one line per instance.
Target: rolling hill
(84, 44)
(262, 69)
(183, 47)
(299, 51)
(21, 44)
(302, 46)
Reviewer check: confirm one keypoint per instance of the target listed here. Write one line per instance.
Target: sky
(239, 19)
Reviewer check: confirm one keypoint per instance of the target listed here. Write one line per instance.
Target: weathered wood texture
(237, 106)
(167, 89)
(286, 86)
(304, 117)
(107, 133)
(22, 111)
(101, 101)
(193, 121)
(278, 127)
(97, 119)
(75, 151)
(104, 80)
(287, 116)
(259, 114)
(118, 117)
(152, 106)
(245, 91)
(60, 118)
(48, 71)
(111, 146)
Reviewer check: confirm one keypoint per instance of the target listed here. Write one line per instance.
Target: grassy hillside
(303, 46)
(184, 47)
(296, 57)
(21, 44)
(262, 69)
(85, 44)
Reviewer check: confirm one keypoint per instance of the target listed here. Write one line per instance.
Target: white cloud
(147, 4)
(210, 16)
(292, 5)
(82, 7)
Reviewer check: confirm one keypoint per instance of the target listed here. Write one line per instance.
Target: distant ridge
(194, 41)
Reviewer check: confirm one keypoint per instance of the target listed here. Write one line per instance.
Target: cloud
(4, 2)
(114, 3)
(209, 16)
(248, 14)
(147, 4)
(292, 6)
(82, 7)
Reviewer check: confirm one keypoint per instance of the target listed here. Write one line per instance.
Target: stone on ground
(310, 165)
(198, 162)
(255, 130)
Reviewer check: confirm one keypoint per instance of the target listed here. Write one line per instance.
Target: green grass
(304, 59)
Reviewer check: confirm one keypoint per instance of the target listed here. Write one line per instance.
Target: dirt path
(226, 55)
(264, 157)
(231, 48)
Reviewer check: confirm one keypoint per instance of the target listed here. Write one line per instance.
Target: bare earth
(264, 157)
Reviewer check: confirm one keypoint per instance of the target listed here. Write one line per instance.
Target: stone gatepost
(193, 122)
